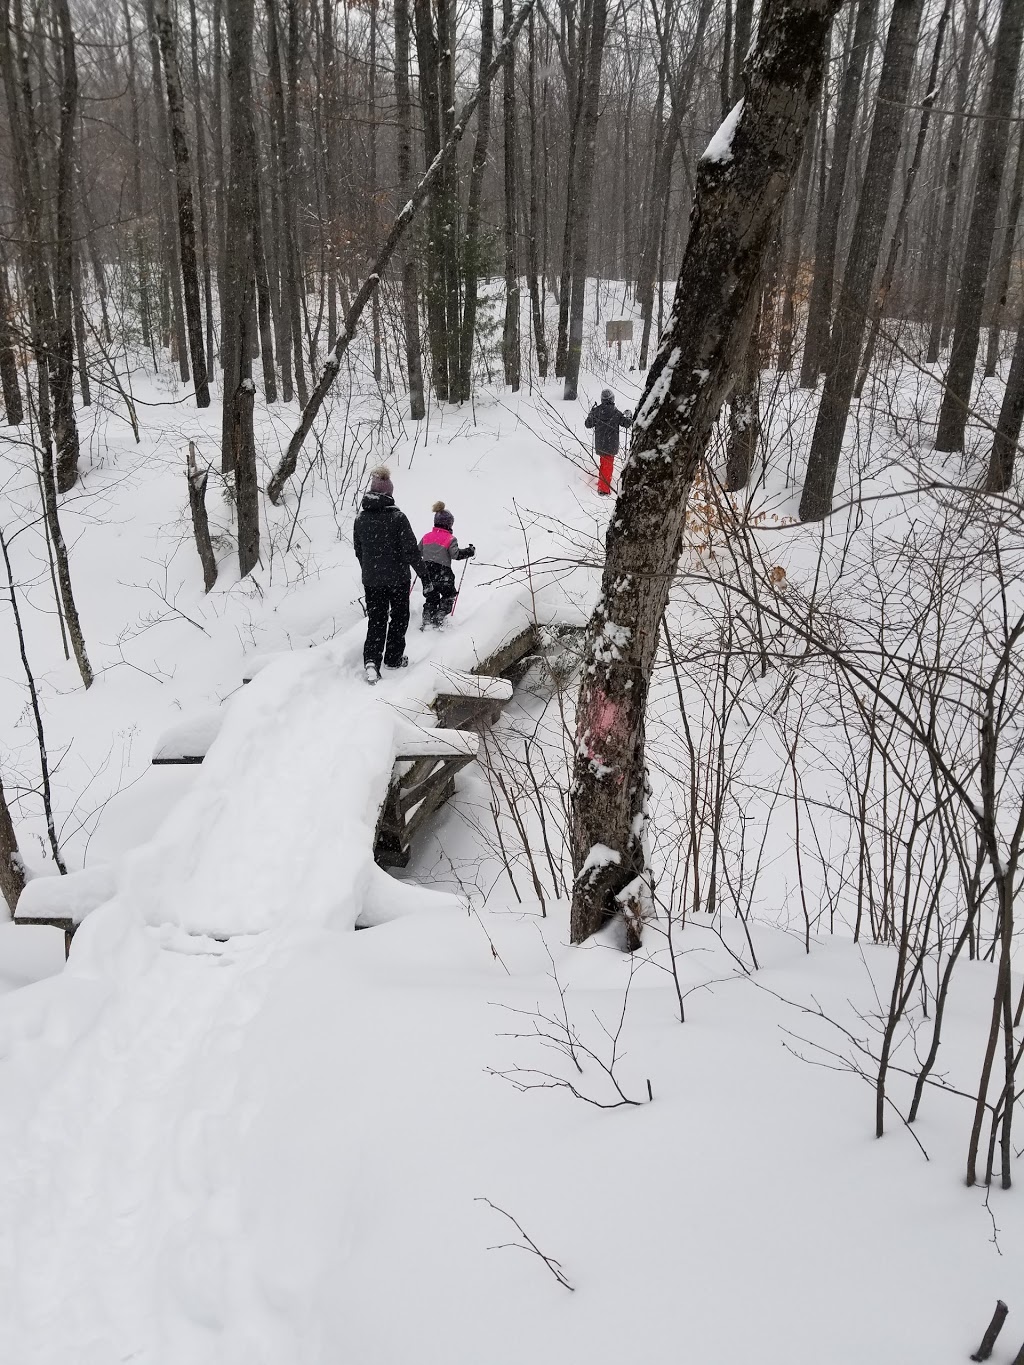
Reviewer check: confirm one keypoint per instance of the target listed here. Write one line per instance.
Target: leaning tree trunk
(855, 291)
(238, 449)
(510, 347)
(410, 267)
(471, 242)
(995, 136)
(737, 203)
(186, 208)
(583, 187)
(819, 311)
(12, 869)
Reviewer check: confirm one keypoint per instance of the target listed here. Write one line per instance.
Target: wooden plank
(506, 662)
(411, 796)
(466, 713)
(437, 744)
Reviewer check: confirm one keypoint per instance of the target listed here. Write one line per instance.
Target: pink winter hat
(380, 481)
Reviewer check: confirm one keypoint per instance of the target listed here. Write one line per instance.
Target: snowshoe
(371, 675)
(393, 668)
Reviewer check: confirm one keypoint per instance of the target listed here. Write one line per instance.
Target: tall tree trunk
(28, 180)
(141, 253)
(12, 869)
(164, 156)
(238, 450)
(186, 209)
(510, 348)
(574, 66)
(217, 135)
(1004, 264)
(900, 229)
(471, 245)
(1011, 413)
(410, 267)
(371, 114)
(427, 43)
(62, 367)
(736, 207)
(800, 201)
(995, 135)
(278, 121)
(202, 181)
(951, 189)
(819, 313)
(263, 304)
(855, 292)
(293, 171)
(536, 305)
(13, 404)
(583, 194)
(81, 352)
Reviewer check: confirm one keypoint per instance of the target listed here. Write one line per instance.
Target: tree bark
(819, 312)
(471, 244)
(1005, 264)
(202, 181)
(1011, 413)
(410, 267)
(62, 363)
(197, 480)
(900, 229)
(951, 190)
(536, 306)
(995, 134)
(794, 245)
(13, 404)
(583, 194)
(278, 121)
(238, 453)
(141, 254)
(186, 208)
(854, 299)
(12, 869)
(736, 207)
(510, 347)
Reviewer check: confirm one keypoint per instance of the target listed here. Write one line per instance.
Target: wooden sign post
(619, 332)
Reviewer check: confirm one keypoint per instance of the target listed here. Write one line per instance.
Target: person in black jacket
(386, 548)
(605, 419)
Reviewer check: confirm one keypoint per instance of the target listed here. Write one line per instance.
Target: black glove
(469, 552)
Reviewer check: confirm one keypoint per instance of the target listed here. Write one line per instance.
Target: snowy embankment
(278, 1148)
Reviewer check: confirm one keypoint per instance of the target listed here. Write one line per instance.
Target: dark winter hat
(380, 481)
(607, 396)
(443, 519)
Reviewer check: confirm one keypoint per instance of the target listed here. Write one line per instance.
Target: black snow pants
(438, 593)
(385, 638)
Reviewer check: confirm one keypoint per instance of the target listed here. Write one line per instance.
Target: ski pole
(465, 566)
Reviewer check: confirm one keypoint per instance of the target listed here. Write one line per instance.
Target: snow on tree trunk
(738, 199)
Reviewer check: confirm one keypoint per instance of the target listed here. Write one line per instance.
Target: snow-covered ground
(296, 1145)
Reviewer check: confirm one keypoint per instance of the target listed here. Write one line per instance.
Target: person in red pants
(605, 419)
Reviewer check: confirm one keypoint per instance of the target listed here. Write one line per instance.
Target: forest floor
(309, 1145)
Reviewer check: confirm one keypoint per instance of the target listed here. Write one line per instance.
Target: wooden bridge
(423, 777)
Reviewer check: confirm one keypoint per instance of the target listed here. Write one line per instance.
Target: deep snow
(273, 1149)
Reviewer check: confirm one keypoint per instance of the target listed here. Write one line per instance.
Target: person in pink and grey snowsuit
(439, 549)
